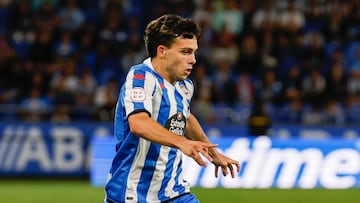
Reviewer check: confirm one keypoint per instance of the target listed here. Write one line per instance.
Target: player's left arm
(194, 131)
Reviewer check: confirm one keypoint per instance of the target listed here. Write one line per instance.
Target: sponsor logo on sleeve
(138, 94)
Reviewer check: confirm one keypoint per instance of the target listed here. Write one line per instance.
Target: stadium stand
(64, 60)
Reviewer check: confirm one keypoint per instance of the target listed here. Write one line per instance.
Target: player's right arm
(142, 125)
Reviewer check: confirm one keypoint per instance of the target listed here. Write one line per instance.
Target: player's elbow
(137, 129)
(137, 123)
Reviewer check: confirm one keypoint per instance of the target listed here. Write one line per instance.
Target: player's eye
(186, 51)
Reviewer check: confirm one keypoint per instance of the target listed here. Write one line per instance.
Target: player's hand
(193, 149)
(226, 164)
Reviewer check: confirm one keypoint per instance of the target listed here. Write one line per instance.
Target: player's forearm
(194, 130)
(142, 125)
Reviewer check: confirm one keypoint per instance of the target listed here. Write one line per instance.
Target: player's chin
(185, 76)
(187, 73)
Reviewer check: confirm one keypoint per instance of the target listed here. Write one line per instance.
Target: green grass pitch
(80, 191)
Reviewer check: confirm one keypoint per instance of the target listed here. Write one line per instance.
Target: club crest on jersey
(138, 94)
(177, 124)
(179, 115)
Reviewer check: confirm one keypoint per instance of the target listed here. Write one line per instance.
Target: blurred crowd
(65, 60)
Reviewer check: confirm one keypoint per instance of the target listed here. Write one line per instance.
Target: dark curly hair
(164, 30)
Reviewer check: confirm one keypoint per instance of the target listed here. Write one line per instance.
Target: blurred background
(64, 60)
(286, 69)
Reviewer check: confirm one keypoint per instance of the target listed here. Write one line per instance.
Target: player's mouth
(188, 71)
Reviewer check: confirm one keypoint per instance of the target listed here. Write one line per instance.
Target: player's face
(180, 58)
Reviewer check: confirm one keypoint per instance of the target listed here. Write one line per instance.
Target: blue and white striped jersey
(143, 171)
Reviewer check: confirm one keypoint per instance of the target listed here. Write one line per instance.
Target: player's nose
(192, 59)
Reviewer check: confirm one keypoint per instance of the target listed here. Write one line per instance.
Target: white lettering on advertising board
(264, 166)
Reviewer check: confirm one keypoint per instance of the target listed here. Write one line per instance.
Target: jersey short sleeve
(139, 89)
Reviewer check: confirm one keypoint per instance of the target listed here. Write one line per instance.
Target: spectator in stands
(314, 53)
(269, 88)
(264, 16)
(203, 15)
(336, 85)
(223, 46)
(291, 112)
(71, 16)
(245, 89)
(64, 83)
(229, 15)
(249, 59)
(224, 89)
(333, 113)
(267, 52)
(313, 88)
(353, 82)
(85, 90)
(42, 50)
(334, 27)
(5, 14)
(37, 79)
(23, 17)
(202, 97)
(7, 56)
(113, 34)
(65, 47)
(259, 122)
(46, 17)
(292, 20)
(134, 51)
(282, 51)
(334, 56)
(37, 4)
(291, 85)
(105, 99)
(61, 114)
(35, 106)
(7, 52)
(355, 64)
(274, 35)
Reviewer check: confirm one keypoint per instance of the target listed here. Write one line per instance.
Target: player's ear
(161, 51)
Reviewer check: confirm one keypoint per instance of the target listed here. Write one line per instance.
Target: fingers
(198, 159)
(237, 166)
(216, 171)
(205, 152)
(207, 145)
(231, 170)
(228, 166)
(224, 170)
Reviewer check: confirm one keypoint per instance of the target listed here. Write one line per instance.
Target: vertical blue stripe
(172, 155)
(167, 173)
(164, 112)
(120, 117)
(178, 187)
(180, 108)
(154, 150)
(147, 172)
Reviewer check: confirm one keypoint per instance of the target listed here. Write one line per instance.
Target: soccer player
(153, 123)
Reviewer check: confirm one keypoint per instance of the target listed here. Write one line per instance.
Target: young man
(153, 123)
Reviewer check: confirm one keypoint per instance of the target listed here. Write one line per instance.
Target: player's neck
(160, 68)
